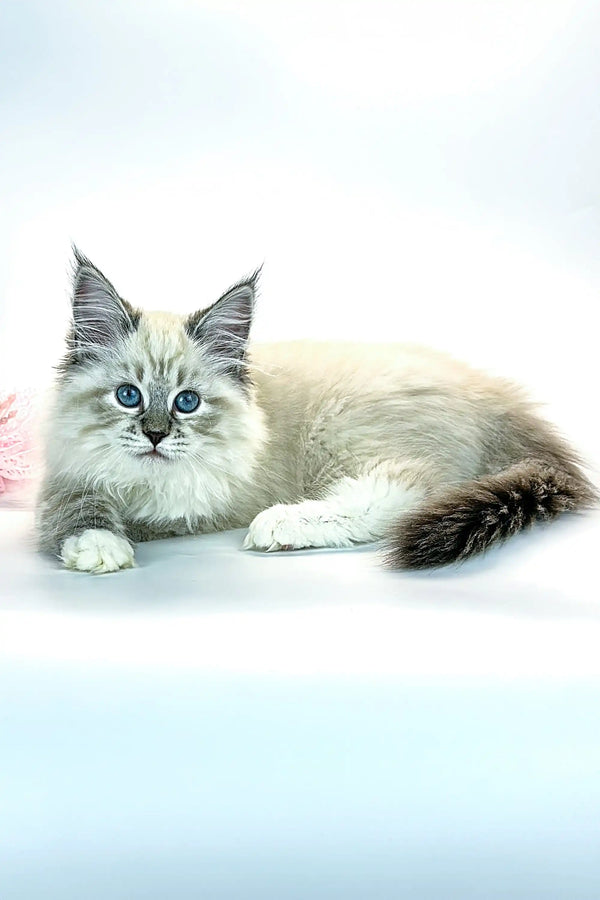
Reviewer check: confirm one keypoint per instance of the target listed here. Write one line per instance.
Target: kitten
(166, 425)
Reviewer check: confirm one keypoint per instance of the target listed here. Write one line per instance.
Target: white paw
(97, 551)
(293, 527)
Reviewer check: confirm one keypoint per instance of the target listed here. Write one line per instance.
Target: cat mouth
(153, 454)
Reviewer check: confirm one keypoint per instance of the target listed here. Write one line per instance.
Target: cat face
(146, 395)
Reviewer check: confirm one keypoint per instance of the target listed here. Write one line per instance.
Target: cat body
(308, 444)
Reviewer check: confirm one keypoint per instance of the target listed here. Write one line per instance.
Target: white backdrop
(421, 170)
(231, 725)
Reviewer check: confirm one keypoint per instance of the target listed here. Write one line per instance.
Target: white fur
(97, 551)
(353, 511)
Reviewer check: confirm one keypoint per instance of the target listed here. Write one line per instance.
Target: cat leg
(83, 528)
(351, 511)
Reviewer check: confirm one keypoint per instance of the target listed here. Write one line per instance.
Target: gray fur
(308, 444)
(157, 416)
(67, 509)
(224, 328)
(470, 518)
(100, 316)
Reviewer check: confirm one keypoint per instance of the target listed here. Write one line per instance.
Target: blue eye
(187, 401)
(128, 395)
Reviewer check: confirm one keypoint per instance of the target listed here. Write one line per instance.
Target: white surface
(233, 725)
(228, 726)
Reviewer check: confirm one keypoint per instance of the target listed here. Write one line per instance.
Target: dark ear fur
(100, 316)
(223, 329)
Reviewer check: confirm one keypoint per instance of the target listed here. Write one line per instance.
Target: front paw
(270, 530)
(287, 527)
(97, 551)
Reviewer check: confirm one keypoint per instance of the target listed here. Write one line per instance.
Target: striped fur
(472, 517)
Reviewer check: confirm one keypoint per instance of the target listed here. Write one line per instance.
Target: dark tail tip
(469, 519)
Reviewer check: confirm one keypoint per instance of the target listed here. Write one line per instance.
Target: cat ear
(223, 329)
(100, 316)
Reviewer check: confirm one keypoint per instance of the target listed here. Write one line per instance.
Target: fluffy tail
(470, 518)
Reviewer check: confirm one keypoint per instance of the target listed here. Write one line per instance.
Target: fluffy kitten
(167, 425)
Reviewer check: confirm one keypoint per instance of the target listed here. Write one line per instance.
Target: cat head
(143, 392)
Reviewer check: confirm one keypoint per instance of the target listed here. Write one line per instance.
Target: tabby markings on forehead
(162, 367)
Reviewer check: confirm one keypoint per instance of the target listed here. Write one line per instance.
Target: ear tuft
(224, 328)
(100, 317)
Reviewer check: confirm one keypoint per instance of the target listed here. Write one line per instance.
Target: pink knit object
(15, 417)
